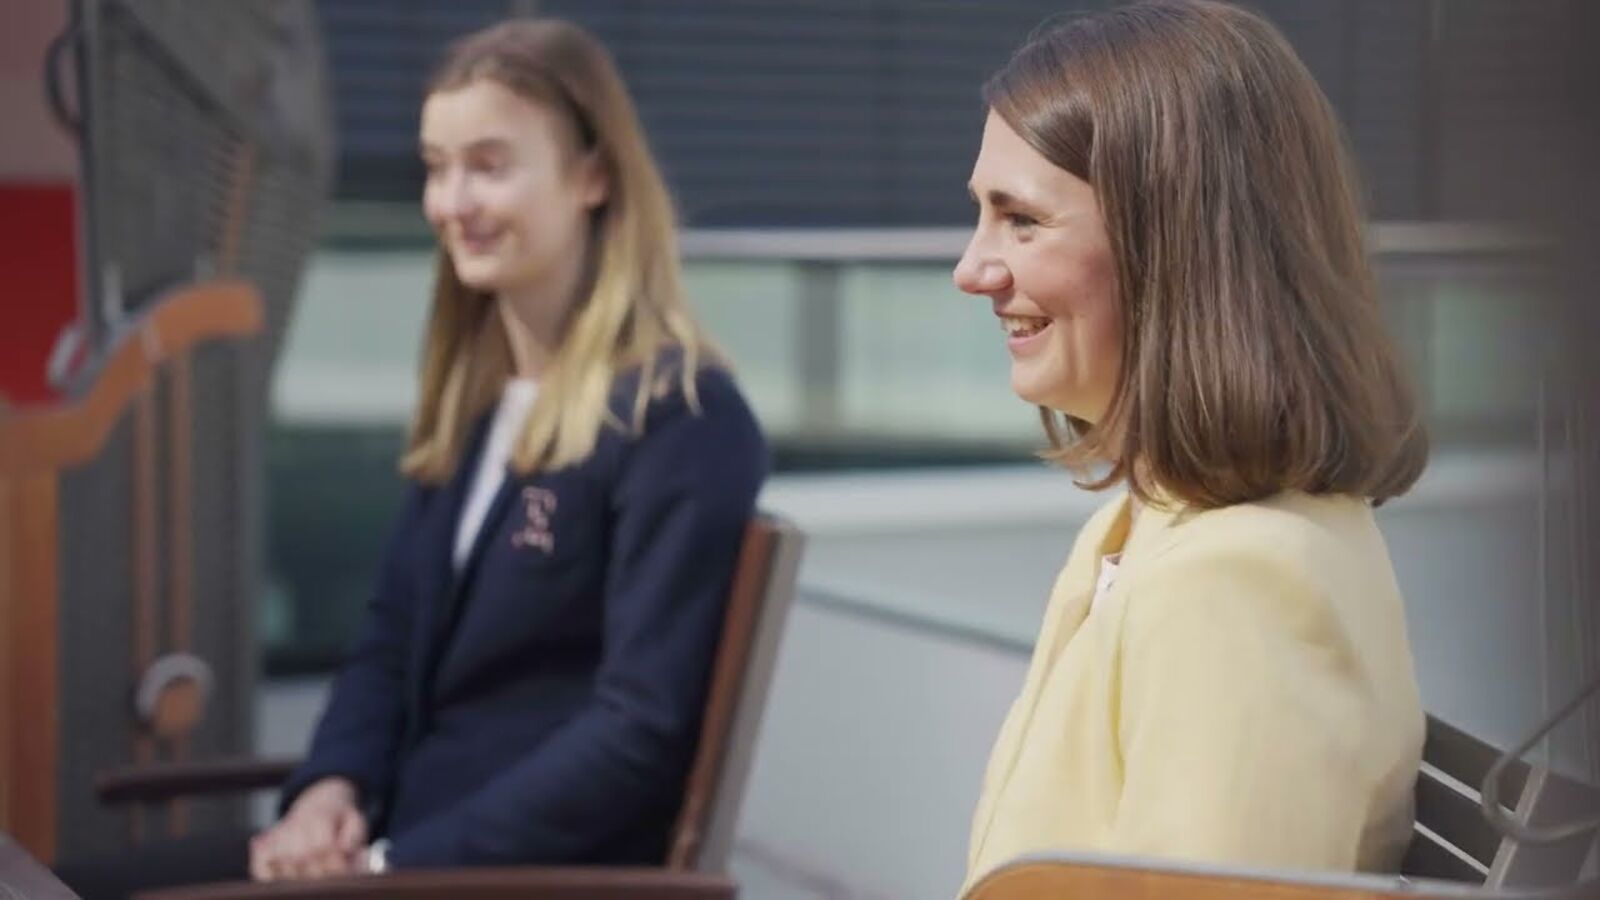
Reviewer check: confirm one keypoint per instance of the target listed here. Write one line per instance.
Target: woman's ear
(594, 177)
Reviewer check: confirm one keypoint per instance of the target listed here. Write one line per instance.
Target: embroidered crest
(537, 506)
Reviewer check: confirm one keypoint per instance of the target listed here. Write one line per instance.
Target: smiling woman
(1168, 230)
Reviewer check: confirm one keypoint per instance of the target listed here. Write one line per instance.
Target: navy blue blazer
(543, 705)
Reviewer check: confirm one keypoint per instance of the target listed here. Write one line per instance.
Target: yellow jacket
(1243, 694)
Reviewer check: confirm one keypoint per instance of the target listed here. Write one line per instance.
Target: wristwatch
(378, 856)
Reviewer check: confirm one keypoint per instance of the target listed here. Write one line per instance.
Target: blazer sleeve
(683, 496)
(360, 730)
(1241, 710)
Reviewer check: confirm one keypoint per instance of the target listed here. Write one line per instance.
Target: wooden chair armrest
(478, 884)
(1070, 876)
(166, 781)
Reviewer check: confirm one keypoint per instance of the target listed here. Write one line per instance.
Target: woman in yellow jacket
(1169, 231)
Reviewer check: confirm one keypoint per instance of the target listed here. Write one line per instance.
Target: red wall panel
(38, 284)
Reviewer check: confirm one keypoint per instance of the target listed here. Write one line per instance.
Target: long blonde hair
(1254, 358)
(634, 308)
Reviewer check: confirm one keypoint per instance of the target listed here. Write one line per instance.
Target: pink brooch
(537, 505)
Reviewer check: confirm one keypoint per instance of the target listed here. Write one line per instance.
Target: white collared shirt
(1108, 577)
(516, 401)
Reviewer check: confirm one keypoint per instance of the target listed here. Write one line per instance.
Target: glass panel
(753, 313)
(352, 347)
(1485, 351)
(923, 361)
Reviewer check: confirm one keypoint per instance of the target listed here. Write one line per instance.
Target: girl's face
(508, 192)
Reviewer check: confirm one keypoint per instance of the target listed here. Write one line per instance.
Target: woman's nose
(979, 272)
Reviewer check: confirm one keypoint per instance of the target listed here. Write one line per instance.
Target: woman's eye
(1021, 220)
(491, 168)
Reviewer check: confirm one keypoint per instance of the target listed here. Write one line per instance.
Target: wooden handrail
(161, 782)
(50, 439)
(29, 662)
(1082, 876)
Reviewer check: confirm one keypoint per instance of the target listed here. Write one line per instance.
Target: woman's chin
(1052, 401)
(1030, 392)
(478, 277)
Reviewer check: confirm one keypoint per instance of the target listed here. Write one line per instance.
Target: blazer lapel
(436, 577)
(1149, 533)
(1069, 606)
(1074, 591)
(464, 576)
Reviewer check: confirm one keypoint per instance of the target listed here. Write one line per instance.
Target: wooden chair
(1454, 851)
(762, 591)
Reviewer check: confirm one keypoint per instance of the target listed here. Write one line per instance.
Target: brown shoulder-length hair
(634, 307)
(1254, 359)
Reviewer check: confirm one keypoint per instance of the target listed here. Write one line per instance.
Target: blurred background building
(819, 151)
